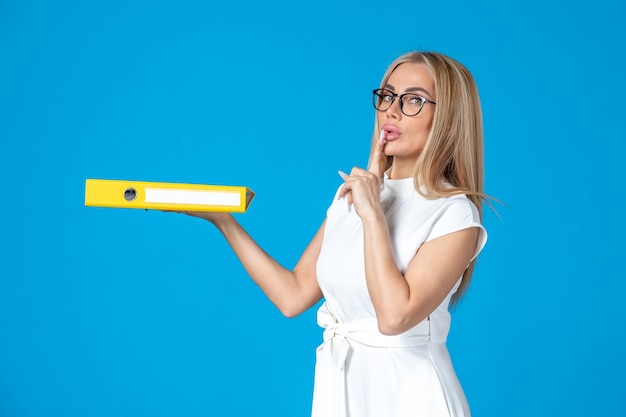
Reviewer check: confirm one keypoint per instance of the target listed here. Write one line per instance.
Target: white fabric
(359, 371)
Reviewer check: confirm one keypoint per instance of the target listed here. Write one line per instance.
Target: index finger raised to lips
(376, 164)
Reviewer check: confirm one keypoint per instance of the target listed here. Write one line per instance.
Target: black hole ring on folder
(130, 194)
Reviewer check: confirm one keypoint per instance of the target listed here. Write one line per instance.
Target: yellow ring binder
(167, 196)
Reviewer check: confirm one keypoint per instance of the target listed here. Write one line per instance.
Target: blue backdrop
(108, 312)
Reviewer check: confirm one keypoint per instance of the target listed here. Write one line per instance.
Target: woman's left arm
(403, 300)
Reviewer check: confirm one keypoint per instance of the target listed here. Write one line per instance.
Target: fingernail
(381, 138)
(342, 174)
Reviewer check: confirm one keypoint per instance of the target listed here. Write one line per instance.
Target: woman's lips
(391, 132)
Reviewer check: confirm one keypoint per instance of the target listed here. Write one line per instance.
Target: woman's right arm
(292, 292)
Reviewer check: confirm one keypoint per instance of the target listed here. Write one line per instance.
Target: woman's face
(406, 135)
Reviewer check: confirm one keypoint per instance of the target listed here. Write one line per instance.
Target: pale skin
(400, 300)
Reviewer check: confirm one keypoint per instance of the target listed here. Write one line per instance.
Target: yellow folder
(167, 196)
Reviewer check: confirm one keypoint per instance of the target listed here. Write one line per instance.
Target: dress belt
(330, 378)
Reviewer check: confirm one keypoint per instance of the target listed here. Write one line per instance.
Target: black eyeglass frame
(393, 95)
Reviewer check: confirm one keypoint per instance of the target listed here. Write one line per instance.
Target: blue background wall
(109, 312)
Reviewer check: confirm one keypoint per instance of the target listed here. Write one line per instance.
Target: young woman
(396, 248)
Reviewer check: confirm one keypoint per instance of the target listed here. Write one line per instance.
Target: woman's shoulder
(459, 204)
(431, 199)
(428, 209)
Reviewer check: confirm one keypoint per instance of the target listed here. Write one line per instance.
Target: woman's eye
(415, 101)
(386, 97)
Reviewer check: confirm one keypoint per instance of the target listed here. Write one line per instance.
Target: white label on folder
(208, 198)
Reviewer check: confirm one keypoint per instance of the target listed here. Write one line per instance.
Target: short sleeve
(458, 214)
(333, 205)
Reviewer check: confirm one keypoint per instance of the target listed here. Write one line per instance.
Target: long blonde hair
(452, 161)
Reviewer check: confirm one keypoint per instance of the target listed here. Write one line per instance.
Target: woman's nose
(394, 111)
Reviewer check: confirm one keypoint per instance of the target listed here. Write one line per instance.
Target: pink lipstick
(391, 132)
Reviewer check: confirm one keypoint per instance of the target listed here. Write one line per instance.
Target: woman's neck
(401, 169)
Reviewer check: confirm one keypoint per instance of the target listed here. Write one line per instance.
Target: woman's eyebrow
(408, 90)
(414, 89)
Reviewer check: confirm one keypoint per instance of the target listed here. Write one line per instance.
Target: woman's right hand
(217, 218)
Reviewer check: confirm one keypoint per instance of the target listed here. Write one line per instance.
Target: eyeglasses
(410, 104)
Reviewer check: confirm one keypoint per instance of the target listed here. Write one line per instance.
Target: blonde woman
(396, 248)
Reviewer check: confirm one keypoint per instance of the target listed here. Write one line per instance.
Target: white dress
(360, 372)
